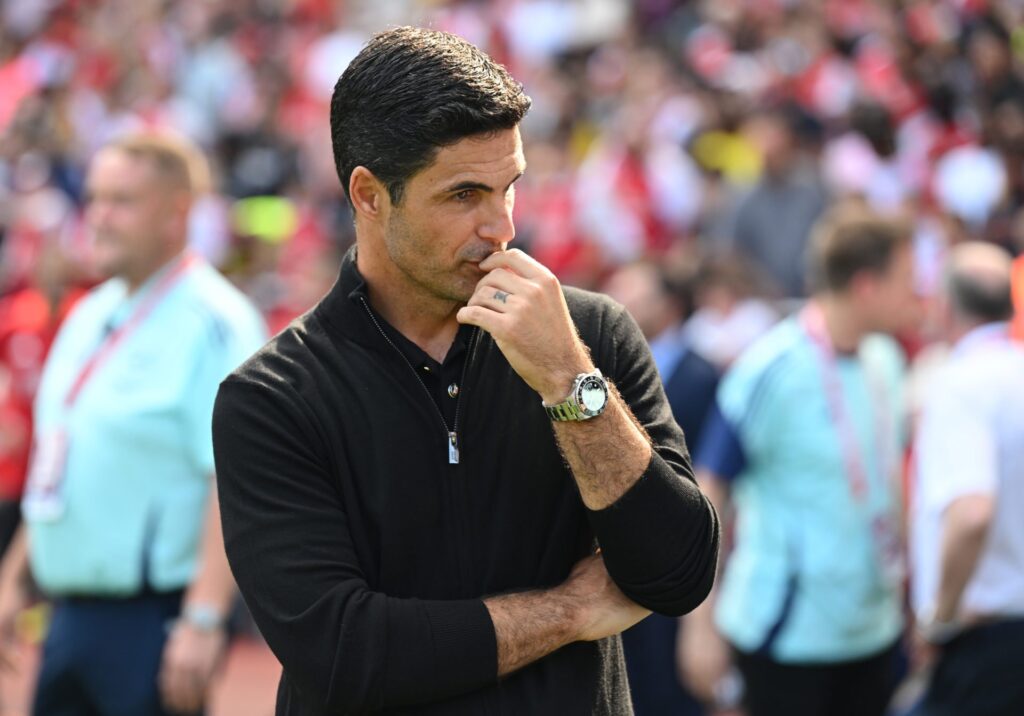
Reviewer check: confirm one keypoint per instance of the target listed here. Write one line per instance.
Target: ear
(369, 195)
(862, 284)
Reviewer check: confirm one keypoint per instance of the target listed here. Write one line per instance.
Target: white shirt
(971, 442)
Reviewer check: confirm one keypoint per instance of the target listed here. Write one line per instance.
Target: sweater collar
(346, 309)
(343, 309)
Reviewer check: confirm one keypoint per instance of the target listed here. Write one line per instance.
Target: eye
(464, 195)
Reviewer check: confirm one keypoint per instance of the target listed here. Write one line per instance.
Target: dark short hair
(848, 241)
(410, 92)
(678, 282)
(975, 298)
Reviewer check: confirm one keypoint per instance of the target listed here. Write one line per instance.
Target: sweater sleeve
(344, 647)
(659, 539)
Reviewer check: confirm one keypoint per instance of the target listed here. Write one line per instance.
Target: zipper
(452, 433)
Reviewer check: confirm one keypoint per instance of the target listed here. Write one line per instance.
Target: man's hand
(520, 303)
(602, 609)
(191, 656)
(702, 655)
(923, 654)
(14, 596)
(13, 600)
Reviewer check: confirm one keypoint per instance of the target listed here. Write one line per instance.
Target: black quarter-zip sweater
(364, 551)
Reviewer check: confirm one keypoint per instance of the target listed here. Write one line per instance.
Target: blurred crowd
(695, 143)
(659, 127)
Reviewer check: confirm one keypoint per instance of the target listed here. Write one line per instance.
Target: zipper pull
(453, 448)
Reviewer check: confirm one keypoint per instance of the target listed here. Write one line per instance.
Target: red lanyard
(106, 349)
(813, 320)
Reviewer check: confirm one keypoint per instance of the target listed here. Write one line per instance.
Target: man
(122, 529)
(806, 436)
(410, 503)
(772, 224)
(967, 537)
(661, 300)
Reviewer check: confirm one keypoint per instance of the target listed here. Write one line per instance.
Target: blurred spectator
(661, 300)
(731, 311)
(967, 537)
(122, 531)
(864, 162)
(647, 118)
(774, 221)
(29, 319)
(990, 54)
(262, 226)
(806, 436)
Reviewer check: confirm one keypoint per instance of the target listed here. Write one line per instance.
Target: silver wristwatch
(203, 617)
(587, 399)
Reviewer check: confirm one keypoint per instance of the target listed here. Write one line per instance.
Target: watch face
(593, 395)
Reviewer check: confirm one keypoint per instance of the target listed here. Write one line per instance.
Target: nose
(498, 227)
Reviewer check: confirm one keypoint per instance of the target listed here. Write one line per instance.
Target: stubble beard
(443, 284)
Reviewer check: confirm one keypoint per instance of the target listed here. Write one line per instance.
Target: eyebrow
(466, 185)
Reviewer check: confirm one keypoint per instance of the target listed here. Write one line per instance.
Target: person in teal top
(806, 438)
(121, 518)
(154, 393)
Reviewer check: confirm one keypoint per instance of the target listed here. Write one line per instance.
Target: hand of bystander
(190, 659)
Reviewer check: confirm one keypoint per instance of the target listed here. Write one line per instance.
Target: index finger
(517, 261)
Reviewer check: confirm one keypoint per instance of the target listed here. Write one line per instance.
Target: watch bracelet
(203, 617)
(564, 412)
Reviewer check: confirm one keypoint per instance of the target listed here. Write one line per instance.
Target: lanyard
(117, 336)
(812, 318)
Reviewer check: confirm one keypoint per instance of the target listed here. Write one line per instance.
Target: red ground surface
(246, 687)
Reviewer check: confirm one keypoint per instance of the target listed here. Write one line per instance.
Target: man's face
(637, 288)
(455, 213)
(889, 298)
(130, 211)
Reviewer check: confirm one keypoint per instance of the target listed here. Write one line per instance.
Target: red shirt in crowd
(28, 326)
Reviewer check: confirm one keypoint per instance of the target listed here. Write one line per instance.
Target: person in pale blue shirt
(806, 439)
(121, 520)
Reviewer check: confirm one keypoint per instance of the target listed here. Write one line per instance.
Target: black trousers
(850, 688)
(980, 673)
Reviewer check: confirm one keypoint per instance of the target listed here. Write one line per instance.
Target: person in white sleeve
(967, 533)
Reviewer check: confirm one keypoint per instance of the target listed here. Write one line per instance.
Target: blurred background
(707, 136)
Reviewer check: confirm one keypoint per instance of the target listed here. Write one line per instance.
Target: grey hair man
(967, 536)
